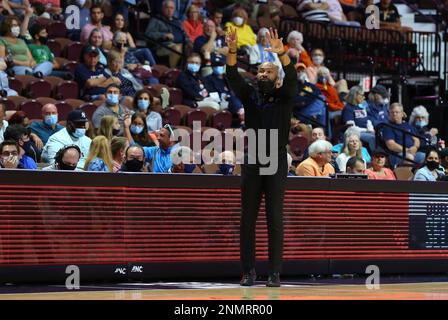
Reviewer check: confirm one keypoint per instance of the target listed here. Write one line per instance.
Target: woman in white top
(352, 147)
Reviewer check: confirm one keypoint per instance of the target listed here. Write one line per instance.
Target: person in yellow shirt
(246, 36)
(318, 163)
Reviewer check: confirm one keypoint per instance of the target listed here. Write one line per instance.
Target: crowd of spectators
(127, 132)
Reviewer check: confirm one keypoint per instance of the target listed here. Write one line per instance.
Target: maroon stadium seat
(15, 84)
(9, 104)
(89, 108)
(297, 146)
(73, 51)
(17, 100)
(71, 66)
(158, 70)
(171, 116)
(75, 103)
(32, 108)
(222, 120)
(63, 109)
(25, 80)
(44, 100)
(54, 81)
(196, 115)
(67, 90)
(55, 47)
(169, 77)
(176, 96)
(38, 88)
(57, 29)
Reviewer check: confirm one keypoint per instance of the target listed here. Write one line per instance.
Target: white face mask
(238, 21)
(15, 31)
(317, 60)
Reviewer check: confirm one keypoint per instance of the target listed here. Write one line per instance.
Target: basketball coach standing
(267, 106)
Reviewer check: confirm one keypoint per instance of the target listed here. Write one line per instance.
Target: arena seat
(64, 109)
(32, 108)
(56, 29)
(9, 104)
(45, 100)
(73, 51)
(25, 80)
(66, 90)
(209, 111)
(297, 146)
(55, 47)
(158, 70)
(17, 100)
(169, 77)
(221, 120)
(171, 116)
(196, 115)
(15, 84)
(54, 81)
(71, 66)
(176, 96)
(38, 88)
(404, 173)
(75, 103)
(183, 111)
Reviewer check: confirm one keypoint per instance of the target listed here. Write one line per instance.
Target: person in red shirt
(193, 25)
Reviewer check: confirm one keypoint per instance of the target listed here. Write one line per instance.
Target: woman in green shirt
(17, 50)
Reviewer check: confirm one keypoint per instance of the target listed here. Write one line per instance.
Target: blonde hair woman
(352, 147)
(100, 156)
(109, 127)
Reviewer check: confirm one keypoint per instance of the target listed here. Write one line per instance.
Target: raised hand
(231, 39)
(276, 43)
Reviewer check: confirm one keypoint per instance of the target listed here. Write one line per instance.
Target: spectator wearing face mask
(309, 99)
(217, 83)
(140, 67)
(49, 124)
(355, 114)
(431, 171)
(193, 85)
(100, 156)
(419, 120)
(16, 50)
(334, 103)
(10, 155)
(112, 107)
(73, 133)
(226, 163)
(137, 131)
(135, 160)
(143, 103)
(66, 159)
(29, 154)
(118, 148)
(378, 105)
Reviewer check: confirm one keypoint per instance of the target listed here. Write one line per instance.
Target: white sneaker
(165, 97)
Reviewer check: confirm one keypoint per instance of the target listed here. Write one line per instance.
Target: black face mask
(133, 165)
(43, 40)
(432, 165)
(115, 131)
(267, 87)
(63, 166)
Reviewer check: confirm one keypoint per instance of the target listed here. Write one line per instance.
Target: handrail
(378, 128)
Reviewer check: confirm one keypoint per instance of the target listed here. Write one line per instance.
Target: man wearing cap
(49, 124)
(90, 77)
(268, 108)
(73, 133)
(378, 105)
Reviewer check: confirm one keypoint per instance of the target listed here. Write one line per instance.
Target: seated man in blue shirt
(394, 138)
(10, 155)
(160, 157)
(91, 79)
(28, 153)
(211, 42)
(378, 105)
(49, 124)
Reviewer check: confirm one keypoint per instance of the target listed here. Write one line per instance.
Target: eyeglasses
(9, 153)
(167, 126)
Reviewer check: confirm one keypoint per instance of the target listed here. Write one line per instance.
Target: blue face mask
(226, 169)
(193, 67)
(421, 123)
(51, 119)
(136, 129)
(79, 132)
(112, 99)
(363, 105)
(188, 168)
(218, 70)
(143, 104)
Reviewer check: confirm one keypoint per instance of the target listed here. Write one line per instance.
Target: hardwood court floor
(343, 289)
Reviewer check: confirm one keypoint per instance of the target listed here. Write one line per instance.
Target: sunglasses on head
(168, 126)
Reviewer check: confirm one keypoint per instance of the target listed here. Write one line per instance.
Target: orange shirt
(303, 58)
(310, 168)
(193, 30)
(373, 175)
(334, 103)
